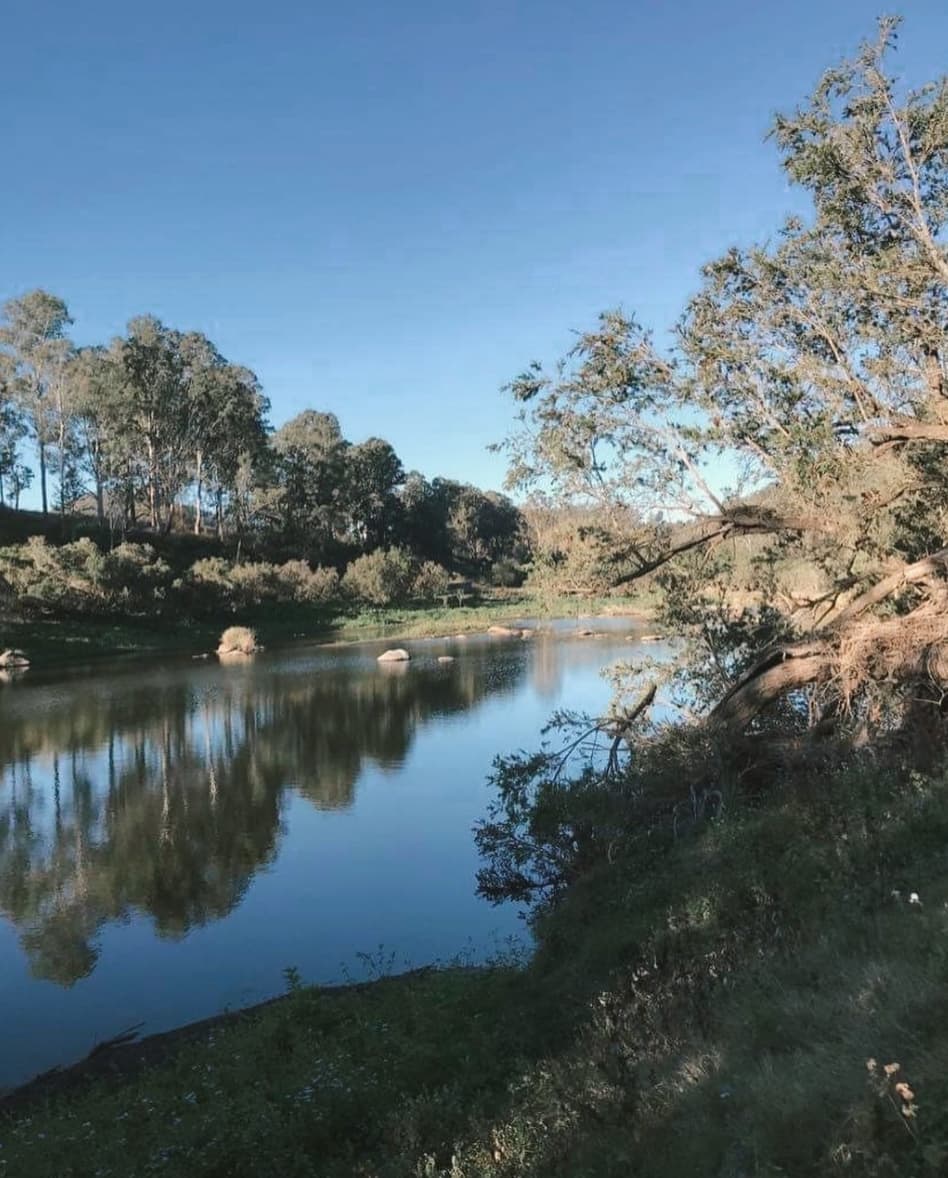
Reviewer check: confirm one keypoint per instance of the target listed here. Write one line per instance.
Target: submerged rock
(395, 656)
(445, 658)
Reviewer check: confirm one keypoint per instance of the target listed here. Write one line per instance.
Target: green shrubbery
(383, 577)
(216, 583)
(432, 581)
(132, 579)
(79, 577)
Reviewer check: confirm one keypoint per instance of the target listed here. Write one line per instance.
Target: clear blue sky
(387, 209)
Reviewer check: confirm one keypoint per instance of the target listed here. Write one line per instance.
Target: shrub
(301, 583)
(507, 574)
(207, 583)
(238, 640)
(381, 577)
(254, 584)
(432, 580)
(134, 578)
(69, 577)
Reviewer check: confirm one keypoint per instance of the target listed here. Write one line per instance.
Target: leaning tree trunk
(852, 649)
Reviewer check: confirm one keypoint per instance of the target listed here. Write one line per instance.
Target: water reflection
(162, 794)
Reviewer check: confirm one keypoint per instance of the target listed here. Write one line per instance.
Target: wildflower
(913, 898)
(891, 1068)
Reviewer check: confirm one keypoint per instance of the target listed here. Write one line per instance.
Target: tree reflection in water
(163, 794)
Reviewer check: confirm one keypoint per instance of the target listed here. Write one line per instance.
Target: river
(175, 834)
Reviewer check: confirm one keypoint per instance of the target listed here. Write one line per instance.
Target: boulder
(503, 632)
(12, 659)
(395, 656)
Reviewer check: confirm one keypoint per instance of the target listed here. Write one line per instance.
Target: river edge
(126, 1055)
(65, 643)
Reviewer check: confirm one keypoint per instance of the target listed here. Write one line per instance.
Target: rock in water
(445, 658)
(503, 632)
(395, 656)
(11, 659)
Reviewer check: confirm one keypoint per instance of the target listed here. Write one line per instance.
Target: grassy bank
(56, 641)
(732, 1002)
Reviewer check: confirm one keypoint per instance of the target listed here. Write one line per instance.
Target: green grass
(705, 1006)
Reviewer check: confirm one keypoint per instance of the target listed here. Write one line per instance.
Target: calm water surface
(174, 835)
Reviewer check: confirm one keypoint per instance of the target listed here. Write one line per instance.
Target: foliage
(431, 581)
(79, 577)
(811, 374)
(507, 574)
(381, 577)
(157, 428)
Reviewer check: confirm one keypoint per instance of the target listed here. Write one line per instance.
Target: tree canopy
(803, 402)
(158, 429)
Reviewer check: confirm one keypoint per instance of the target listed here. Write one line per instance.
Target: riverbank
(53, 642)
(764, 996)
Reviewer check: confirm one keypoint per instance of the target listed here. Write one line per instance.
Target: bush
(65, 577)
(207, 584)
(301, 583)
(134, 578)
(507, 574)
(432, 580)
(238, 640)
(254, 584)
(381, 577)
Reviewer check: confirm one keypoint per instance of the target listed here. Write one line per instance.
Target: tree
(33, 339)
(423, 519)
(812, 374)
(311, 452)
(482, 526)
(372, 473)
(157, 418)
(98, 406)
(14, 476)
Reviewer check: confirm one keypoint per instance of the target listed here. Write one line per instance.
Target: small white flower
(913, 898)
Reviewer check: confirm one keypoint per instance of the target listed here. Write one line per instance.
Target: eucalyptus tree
(187, 416)
(310, 452)
(372, 473)
(33, 340)
(805, 403)
(235, 443)
(14, 474)
(98, 403)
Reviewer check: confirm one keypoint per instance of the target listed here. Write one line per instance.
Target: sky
(388, 209)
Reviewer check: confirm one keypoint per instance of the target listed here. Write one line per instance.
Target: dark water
(174, 835)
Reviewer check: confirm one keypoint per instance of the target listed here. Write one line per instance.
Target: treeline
(158, 430)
